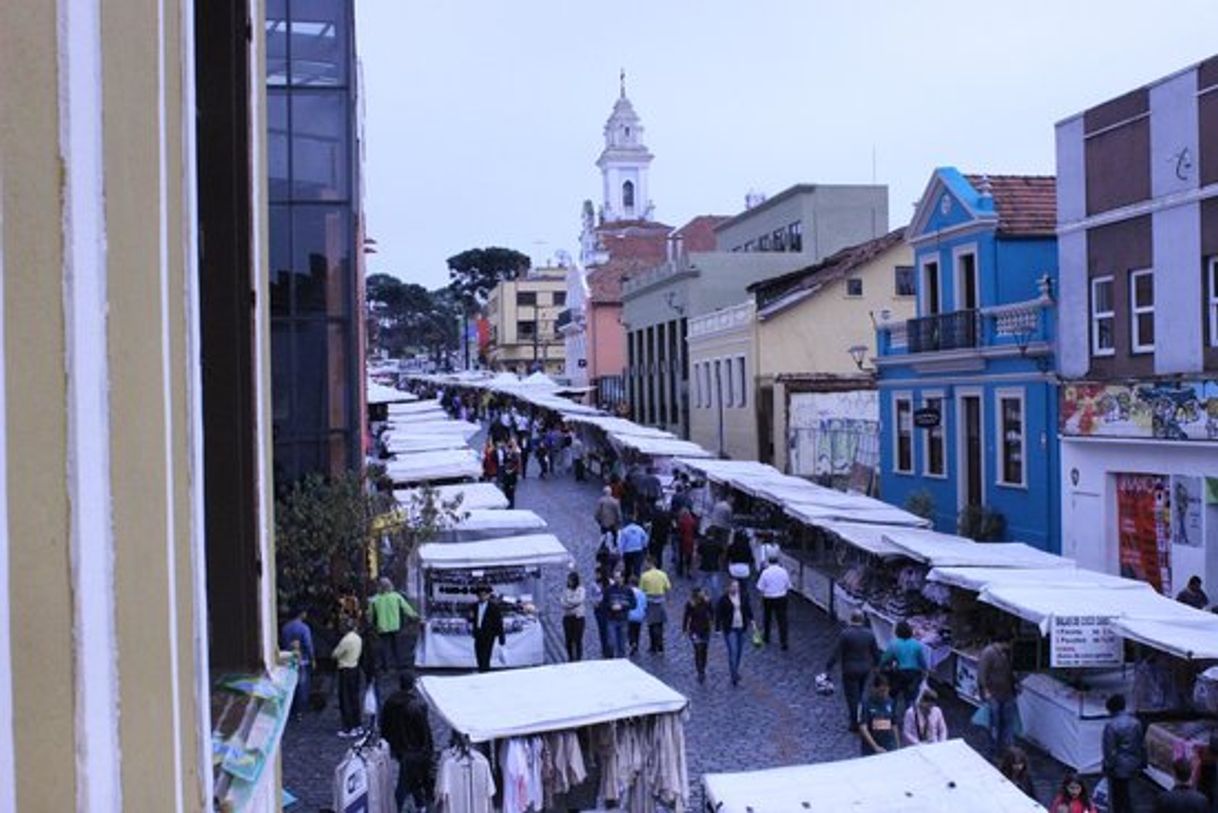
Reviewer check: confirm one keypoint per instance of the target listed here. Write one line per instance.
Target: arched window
(628, 195)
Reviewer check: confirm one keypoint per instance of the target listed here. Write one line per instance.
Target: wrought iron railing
(943, 331)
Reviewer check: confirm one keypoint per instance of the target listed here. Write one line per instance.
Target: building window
(795, 236)
(779, 240)
(1142, 310)
(1011, 438)
(706, 385)
(526, 329)
(854, 287)
(905, 285)
(526, 299)
(749, 246)
(740, 379)
(902, 407)
(1213, 300)
(730, 391)
(698, 386)
(763, 242)
(935, 460)
(560, 298)
(1103, 317)
(930, 288)
(628, 195)
(968, 293)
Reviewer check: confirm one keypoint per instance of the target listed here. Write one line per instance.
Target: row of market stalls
(610, 708)
(1079, 635)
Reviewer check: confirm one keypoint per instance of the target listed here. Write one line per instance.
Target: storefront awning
(519, 702)
(922, 779)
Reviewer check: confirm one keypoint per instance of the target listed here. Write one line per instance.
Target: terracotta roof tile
(833, 267)
(1026, 204)
(699, 234)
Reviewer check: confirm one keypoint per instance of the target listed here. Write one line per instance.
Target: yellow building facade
(523, 316)
(111, 622)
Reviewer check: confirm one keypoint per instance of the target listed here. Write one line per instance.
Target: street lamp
(858, 352)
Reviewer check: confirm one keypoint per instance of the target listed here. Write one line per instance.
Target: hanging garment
(464, 782)
(669, 771)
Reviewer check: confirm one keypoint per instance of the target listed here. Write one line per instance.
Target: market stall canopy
(873, 513)
(923, 779)
(491, 519)
(539, 379)
(447, 464)
(415, 407)
(946, 550)
(508, 381)
(380, 394)
(427, 428)
(434, 443)
(658, 447)
(1039, 604)
(510, 551)
(1193, 636)
(473, 495)
(978, 578)
(722, 471)
(866, 537)
(620, 426)
(519, 702)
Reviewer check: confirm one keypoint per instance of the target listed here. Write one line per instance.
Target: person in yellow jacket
(388, 610)
(346, 656)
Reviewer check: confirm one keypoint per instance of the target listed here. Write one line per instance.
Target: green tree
(404, 318)
(475, 272)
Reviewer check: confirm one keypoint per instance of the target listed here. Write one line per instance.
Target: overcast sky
(483, 117)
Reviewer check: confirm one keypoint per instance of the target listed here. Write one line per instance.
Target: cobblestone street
(773, 718)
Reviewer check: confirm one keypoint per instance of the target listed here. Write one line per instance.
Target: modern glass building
(315, 236)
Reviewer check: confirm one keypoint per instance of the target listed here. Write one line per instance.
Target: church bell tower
(623, 164)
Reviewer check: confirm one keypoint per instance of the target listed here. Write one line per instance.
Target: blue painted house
(968, 406)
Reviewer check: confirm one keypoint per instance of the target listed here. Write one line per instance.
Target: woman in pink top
(924, 720)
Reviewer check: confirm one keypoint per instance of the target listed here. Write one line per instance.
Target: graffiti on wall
(1160, 410)
(830, 433)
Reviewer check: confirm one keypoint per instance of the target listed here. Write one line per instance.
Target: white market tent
(447, 464)
(620, 426)
(493, 519)
(547, 698)
(429, 421)
(400, 445)
(659, 447)
(945, 550)
(1189, 636)
(864, 536)
(978, 578)
(922, 779)
(415, 407)
(1040, 603)
(473, 495)
(882, 514)
(540, 379)
(380, 394)
(511, 551)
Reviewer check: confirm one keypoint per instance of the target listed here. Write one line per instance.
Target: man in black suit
(488, 625)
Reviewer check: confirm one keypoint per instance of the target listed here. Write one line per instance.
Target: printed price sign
(1083, 641)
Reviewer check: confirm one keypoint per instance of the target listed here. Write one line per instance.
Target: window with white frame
(902, 410)
(1103, 317)
(740, 387)
(1012, 438)
(1212, 284)
(934, 459)
(1142, 311)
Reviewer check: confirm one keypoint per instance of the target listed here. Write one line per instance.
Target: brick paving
(773, 718)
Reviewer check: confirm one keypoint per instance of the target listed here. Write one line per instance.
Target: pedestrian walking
(659, 533)
(774, 584)
(577, 458)
(618, 601)
(490, 462)
(405, 726)
(656, 586)
(596, 594)
(923, 721)
(739, 559)
(696, 626)
(859, 654)
(524, 442)
(487, 626)
(1124, 752)
(1183, 797)
(573, 601)
(710, 565)
(906, 656)
(878, 728)
(608, 514)
(687, 529)
(346, 656)
(649, 493)
(1072, 796)
(632, 541)
(636, 616)
(1014, 766)
(996, 683)
(721, 520)
(510, 468)
(297, 637)
(733, 616)
(388, 611)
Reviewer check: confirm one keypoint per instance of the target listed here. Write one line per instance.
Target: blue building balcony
(943, 331)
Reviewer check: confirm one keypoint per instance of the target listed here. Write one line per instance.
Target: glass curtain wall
(313, 232)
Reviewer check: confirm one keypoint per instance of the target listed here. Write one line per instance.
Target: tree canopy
(476, 271)
(405, 317)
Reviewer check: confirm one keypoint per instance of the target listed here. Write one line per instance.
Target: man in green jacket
(385, 610)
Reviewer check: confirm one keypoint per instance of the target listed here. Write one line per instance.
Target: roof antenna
(622, 79)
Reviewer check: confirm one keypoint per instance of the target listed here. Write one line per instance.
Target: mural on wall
(1161, 410)
(832, 433)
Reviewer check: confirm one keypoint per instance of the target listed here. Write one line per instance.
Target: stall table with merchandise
(608, 720)
(445, 576)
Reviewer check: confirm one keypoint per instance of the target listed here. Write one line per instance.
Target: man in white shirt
(774, 583)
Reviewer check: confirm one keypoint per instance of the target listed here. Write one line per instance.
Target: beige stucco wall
(510, 350)
(813, 335)
(724, 336)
